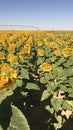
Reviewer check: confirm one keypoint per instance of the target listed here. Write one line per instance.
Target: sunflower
(11, 48)
(12, 58)
(1, 55)
(52, 45)
(7, 76)
(25, 52)
(67, 51)
(39, 43)
(29, 41)
(57, 53)
(40, 52)
(46, 67)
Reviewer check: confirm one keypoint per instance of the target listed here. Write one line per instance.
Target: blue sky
(46, 14)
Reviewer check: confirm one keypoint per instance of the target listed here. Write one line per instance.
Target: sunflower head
(67, 51)
(7, 76)
(46, 67)
(40, 52)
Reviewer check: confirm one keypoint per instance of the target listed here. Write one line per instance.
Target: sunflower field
(36, 71)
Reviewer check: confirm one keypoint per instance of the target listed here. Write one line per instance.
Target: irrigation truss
(18, 27)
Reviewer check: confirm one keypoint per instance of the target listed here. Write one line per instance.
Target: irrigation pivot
(18, 27)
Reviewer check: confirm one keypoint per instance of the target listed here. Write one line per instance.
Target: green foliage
(18, 120)
(59, 122)
(4, 94)
(24, 73)
(56, 103)
(50, 109)
(19, 83)
(66, 106)
(40, 60)
(34, 87)
(45, 95)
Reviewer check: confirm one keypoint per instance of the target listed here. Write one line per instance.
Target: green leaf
(24, 93)
(48, 76)
(40, 60)
(57, 126)
(45, 95)
(71, 93)
(43, 80)
(31, 86)
(51, 110)
(18, 83)
(68, 63)
(59, 120)
(68, 72)
(71, 81)
(63, 88)
(66, 105)
(56, 103)
(53, 59)
(24, 73)
(1, 127)
(48, 51)
(4, 93)
(18, 120)
(57, 71)
(51, 87)
(21, 60)
(47, 60)
(61, 61)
